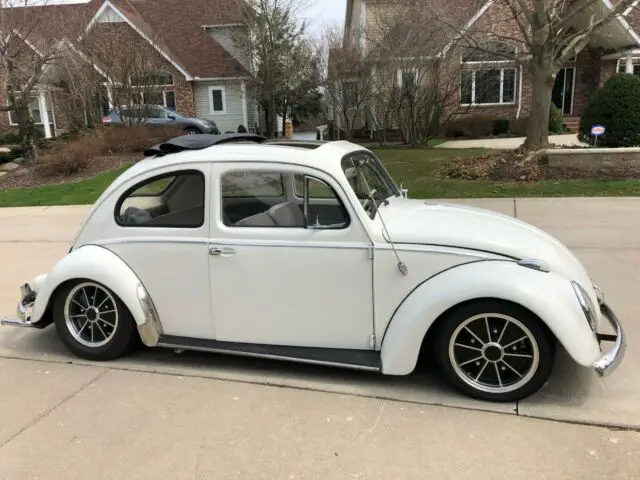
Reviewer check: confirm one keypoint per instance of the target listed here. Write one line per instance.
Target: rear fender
(98, 264)
(548, 295)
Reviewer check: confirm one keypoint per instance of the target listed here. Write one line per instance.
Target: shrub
(518, 126)
(616, 106)
(500, 126)
(242, 129)
(71, 159)
(470, 127)
(556, 123)
(9, 138)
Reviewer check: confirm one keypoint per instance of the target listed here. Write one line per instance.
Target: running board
(333, 357)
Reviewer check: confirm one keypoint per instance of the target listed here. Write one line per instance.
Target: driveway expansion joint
(50, 410)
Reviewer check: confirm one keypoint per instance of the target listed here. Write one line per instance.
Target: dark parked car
(158, 115)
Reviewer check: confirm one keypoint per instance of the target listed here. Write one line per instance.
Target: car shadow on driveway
(423, 386)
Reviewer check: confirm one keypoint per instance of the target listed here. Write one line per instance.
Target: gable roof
(175, 27)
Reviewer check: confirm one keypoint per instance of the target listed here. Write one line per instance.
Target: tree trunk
(27, 133)
(542, 78)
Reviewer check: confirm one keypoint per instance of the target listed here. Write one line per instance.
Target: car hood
(433, 223)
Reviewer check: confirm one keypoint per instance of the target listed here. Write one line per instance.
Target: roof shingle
(176, 27)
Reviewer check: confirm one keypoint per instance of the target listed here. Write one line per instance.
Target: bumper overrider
(610, 360)
(23, 311)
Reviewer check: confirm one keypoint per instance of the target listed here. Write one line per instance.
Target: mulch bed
(522, 166)
(26, 177)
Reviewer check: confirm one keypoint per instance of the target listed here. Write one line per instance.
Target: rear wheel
(93, 322)
(495, 351)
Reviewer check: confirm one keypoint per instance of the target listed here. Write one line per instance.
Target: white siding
(229, 120)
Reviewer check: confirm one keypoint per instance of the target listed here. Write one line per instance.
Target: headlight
(587, 305)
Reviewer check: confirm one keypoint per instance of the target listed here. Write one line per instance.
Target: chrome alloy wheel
(91, 315)
(494, 353)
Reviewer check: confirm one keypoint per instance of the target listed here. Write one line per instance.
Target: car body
(158, 115)
(310, 252)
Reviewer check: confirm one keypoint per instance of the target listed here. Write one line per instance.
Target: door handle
(221, 251)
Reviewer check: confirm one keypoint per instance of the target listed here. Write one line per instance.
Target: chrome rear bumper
(611, 359)
(23, 311)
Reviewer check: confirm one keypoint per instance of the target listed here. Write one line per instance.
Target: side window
(259, 199)
(173, 200)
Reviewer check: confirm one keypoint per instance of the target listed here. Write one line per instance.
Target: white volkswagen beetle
(310, 252)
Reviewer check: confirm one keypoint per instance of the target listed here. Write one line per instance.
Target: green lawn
(414, 168)
(77, 193)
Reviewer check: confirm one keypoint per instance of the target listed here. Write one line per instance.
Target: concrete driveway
(47, 393)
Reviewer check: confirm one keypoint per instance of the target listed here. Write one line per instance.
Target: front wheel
(495, 351)
(93, 322)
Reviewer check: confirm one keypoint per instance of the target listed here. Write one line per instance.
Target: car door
(276, 282)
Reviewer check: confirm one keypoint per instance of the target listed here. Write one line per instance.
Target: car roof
(326, 155)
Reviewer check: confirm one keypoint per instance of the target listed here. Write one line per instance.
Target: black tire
(191, 131)
(122, 338)
(484, 369)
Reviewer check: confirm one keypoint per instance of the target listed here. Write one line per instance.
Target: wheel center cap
(492, 352)
(92, 314)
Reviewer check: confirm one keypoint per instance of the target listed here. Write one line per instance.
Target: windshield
(369, 180)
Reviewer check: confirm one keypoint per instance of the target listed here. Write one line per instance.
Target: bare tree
(25, 54)
(416, 90)
(118, 68)
(271, 36)
(349, 82)
(549, 33)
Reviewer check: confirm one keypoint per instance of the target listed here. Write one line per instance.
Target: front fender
(96, 263)
(548, 295)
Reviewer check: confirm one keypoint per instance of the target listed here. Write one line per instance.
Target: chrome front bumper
(23, 311)
(611, 359)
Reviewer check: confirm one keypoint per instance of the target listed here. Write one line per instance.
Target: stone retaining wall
(594, 159)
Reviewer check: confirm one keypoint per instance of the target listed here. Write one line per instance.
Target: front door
(275, 280)
(562, 95)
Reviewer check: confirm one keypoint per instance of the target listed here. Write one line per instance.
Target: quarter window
(173, 200)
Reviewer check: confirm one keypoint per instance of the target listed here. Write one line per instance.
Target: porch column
(44, 114)
(629, 66)
(245, 120)
(109, 97)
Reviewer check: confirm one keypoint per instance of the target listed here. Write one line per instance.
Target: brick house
(201, 70)
(507, 89)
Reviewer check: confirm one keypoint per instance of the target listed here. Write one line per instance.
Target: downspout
(519, 94)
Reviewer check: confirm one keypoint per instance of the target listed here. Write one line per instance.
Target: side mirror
(171, 116)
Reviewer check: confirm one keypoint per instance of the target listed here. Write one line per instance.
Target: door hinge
(370, 252)
(372, 340)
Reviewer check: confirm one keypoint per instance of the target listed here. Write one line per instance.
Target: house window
(34, 107)
(217, 100)
(152, 81)
(635, 65)
(488, 87)
(166, 98)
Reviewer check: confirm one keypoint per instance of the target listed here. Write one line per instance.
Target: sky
(318, 13)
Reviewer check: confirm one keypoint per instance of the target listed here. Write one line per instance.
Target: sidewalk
(73, 422)
(507, 143)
